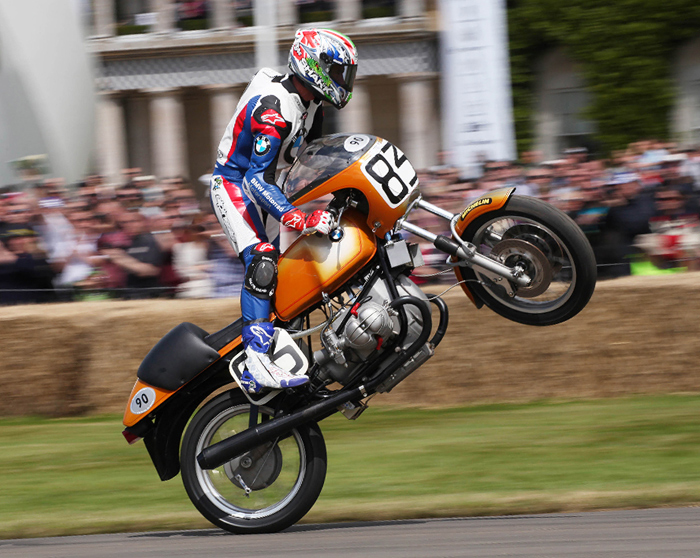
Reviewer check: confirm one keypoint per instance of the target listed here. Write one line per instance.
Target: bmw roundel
(262, 145)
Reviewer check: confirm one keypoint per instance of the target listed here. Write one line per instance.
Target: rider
(275, 115)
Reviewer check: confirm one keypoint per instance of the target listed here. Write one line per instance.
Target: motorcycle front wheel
(548, 246)
(262, 491)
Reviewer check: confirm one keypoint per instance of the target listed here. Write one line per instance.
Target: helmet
(326, 61)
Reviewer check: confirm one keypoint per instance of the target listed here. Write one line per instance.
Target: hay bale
(637, 335)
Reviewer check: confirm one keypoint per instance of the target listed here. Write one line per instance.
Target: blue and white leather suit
(269, 128)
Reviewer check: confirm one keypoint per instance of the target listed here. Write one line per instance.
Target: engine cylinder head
(372, 321)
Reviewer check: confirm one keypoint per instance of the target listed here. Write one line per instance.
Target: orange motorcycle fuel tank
(314, 265)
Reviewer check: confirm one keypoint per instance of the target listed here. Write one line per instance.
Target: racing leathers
(268, 129)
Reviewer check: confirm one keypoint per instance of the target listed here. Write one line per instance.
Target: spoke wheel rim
(559, 256)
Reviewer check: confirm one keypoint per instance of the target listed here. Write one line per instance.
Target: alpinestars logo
(273, 118)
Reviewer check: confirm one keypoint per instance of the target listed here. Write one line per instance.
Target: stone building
(169, 79)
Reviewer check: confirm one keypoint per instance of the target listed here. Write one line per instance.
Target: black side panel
(223, 337)
(162, 439)
(177, 358)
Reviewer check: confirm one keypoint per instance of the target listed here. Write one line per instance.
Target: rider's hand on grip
(319, 221)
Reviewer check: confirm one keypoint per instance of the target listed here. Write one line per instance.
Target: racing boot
(260, 372)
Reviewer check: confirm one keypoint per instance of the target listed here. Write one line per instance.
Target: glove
(319, 221)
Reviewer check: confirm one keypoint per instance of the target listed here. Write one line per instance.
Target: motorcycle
(257, 463)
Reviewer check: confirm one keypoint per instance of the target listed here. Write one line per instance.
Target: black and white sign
(355, 143)
(477, 117)
(143, 400)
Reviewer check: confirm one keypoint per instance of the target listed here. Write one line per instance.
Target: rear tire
(284, 478)
(558, 250)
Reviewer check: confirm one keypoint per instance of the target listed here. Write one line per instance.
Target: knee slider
(261, 275)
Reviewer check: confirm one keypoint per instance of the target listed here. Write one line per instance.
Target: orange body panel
(161, 395)
(381, 216)
(131, 418)
(489, 202)
(313, 265)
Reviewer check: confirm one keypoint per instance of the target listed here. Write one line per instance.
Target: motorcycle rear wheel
(550, 246)
(284, 478)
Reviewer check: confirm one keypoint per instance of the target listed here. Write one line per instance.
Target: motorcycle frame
(163, 427)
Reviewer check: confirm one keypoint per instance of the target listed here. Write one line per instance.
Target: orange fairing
(145, 399)
(388, 200)
(313, 265)
(489, 202)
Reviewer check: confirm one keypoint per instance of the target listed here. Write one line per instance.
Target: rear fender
(492, 201)
(177, 375)
(162, 429)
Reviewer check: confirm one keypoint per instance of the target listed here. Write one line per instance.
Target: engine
(352, 338)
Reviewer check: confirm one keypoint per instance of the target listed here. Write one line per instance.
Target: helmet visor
(343, 75)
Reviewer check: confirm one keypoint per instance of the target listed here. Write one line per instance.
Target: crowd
(147, 237)
(143, 239)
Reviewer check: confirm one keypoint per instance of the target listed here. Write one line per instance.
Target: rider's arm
(269, 131)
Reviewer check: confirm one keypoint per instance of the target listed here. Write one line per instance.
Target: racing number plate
(390, 172)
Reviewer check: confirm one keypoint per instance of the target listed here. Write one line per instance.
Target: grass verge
(77, 476)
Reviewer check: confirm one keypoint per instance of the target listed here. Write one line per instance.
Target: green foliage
(624, 49)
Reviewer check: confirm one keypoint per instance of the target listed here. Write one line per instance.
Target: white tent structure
(47, 100)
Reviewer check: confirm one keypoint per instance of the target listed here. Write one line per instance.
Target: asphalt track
(659, 533)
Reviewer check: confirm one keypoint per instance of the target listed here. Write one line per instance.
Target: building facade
(169, 79)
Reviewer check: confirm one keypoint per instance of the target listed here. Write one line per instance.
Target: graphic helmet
(326, 61)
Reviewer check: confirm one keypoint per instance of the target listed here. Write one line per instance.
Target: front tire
(263, 491)
(551, 248)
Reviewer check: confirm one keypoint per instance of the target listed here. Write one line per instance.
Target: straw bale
(637, 336)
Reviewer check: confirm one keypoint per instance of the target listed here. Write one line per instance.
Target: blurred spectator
(628, 216)
(73, 257)
(141, 259)
(674, 240)
(25, 275)
(191, 264)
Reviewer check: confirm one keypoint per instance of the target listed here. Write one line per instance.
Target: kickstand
(253, 420)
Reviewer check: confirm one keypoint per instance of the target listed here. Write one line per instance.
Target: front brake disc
(512, 252)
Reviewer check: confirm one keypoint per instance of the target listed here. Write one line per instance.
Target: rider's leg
(243, 225)
(260, 280)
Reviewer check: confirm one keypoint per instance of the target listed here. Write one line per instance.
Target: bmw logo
(262, 145)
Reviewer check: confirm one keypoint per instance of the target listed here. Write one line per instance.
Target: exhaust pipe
(222, 452)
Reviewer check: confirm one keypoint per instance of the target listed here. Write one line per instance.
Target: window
(575, 129)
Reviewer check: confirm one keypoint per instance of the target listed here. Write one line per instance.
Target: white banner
(477, 114)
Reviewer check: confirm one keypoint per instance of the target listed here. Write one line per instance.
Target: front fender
(487, 203)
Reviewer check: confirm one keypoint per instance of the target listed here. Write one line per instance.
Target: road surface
(658, 533)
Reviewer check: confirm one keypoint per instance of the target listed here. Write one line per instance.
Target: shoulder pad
(269, 112)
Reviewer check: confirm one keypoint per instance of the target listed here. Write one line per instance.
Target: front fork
(463, 251)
